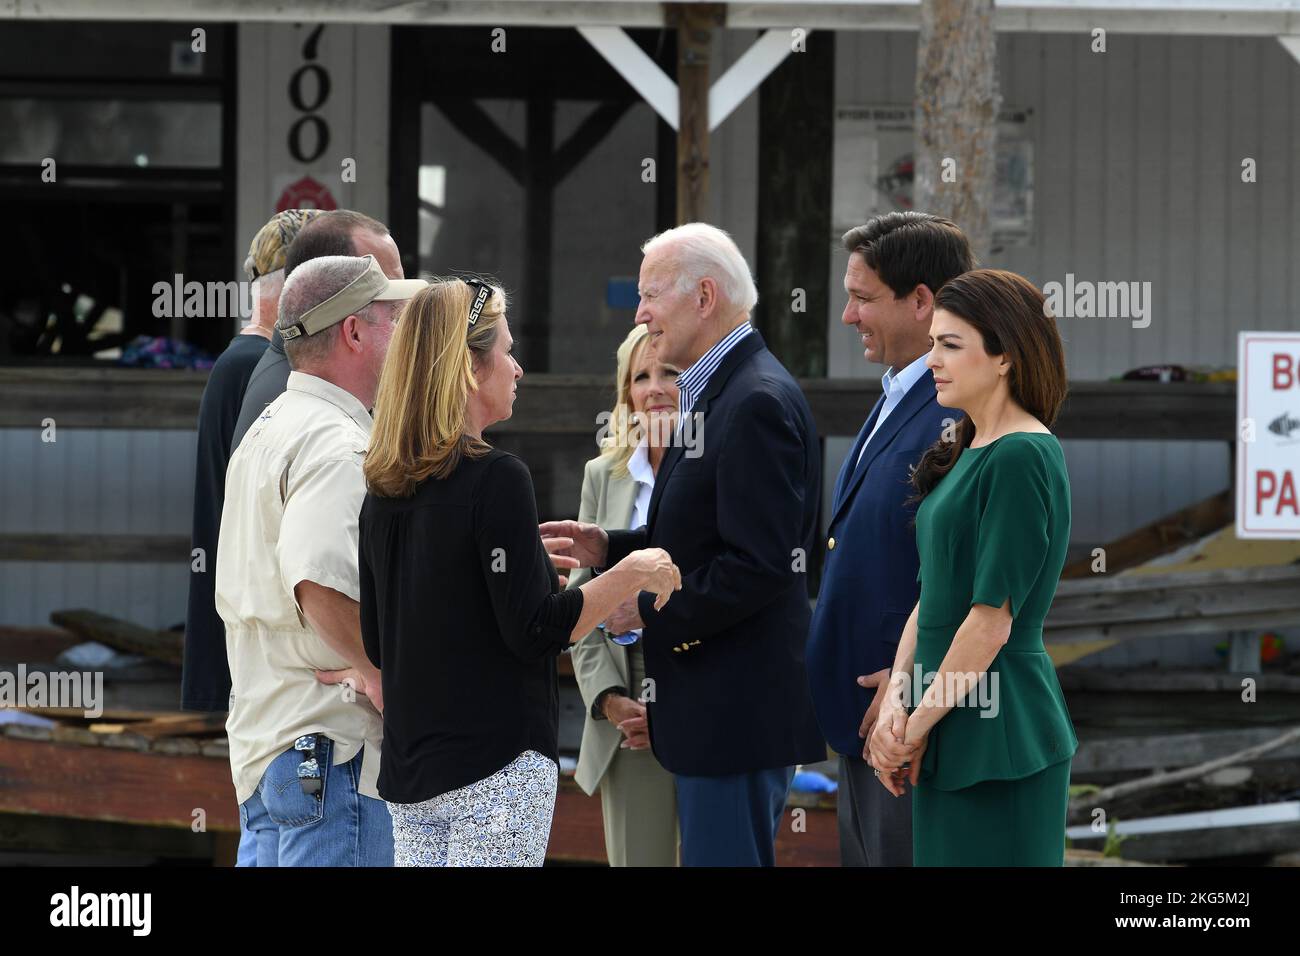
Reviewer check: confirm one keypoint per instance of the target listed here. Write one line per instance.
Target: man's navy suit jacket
(869, 585)
(726, 654)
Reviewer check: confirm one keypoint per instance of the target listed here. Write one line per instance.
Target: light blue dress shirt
(896, 385)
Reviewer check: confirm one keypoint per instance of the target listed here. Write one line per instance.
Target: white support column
(754, 66)
(353, 112)
(635, 66)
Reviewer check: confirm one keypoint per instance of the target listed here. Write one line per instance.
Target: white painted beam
(743, 77)
(1268, 813)
(1292, 45)
(635, 66)
(1155, 17)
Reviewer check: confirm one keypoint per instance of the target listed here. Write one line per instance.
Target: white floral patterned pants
(502, 820)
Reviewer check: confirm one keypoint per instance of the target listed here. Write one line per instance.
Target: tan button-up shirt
(294, 490)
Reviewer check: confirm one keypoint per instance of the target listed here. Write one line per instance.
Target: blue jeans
(247, 853)
(340, 828)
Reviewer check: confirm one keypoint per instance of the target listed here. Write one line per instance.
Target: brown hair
(329, 234)
(1011, 317)
(425, 385)
(908, 249)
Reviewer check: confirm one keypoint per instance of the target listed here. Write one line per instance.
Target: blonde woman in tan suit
(637, 798)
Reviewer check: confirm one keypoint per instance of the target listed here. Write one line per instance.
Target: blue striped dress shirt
(692, 382)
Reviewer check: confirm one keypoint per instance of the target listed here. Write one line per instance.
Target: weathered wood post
(695, 23)
(957, 105)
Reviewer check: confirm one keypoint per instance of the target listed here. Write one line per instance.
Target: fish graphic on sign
(1284, 425)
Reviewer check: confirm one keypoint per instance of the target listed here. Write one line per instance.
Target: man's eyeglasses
(483, 292)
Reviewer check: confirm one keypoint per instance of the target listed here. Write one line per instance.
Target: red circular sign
(306, 193)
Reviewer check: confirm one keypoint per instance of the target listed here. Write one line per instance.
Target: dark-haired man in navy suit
(897, 262)
(735, 504)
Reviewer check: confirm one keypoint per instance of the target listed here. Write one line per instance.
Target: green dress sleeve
(1012, 531)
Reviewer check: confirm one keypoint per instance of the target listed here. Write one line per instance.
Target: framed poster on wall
(874, 169)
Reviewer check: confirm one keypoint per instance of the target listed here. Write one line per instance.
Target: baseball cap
(271, 244)
(370, 286)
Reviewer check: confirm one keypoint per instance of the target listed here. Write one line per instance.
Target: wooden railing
(568, 404)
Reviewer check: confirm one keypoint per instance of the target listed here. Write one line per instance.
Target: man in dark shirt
(339, 232)
(205, 677)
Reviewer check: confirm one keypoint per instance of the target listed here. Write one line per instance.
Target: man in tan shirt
(304, 751)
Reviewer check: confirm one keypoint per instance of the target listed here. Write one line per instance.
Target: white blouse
(638, 467)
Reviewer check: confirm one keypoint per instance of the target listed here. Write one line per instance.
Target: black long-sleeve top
(460, 609)
(205, 674)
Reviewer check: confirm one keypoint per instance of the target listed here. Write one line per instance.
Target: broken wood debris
(165, 646)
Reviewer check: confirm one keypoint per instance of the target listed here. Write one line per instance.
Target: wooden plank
(121, 785)
(89, 397)
(695, 23)
(149, 725)
(129, 787)
(189, 725)
(1124, 608)
(1222, 592)
(1187, 411)
(1217, 843)
(1180, 627)
(1150, 681)
(166, 646)
(1171, 750)
(1162, 536)
(123, 548)
(1265, 574)
(568, 404)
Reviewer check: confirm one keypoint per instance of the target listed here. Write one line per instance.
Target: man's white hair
(698, 251)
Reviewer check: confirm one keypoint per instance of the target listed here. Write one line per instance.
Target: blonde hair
(624, 432)
(425, 385)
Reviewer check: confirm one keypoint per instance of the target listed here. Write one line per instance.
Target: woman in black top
(460, 604)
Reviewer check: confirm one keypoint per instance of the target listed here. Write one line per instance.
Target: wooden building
(497, 137)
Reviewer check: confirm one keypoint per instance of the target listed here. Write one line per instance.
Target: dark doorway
(139, 130)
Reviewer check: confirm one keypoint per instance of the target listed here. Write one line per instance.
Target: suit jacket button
(830, 545)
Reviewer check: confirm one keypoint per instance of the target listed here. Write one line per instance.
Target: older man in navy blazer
(896, 264)
(735, 504)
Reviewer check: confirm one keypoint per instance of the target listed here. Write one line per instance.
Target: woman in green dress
(985, 740)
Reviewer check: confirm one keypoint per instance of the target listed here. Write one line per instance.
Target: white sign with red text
(1268, 435)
